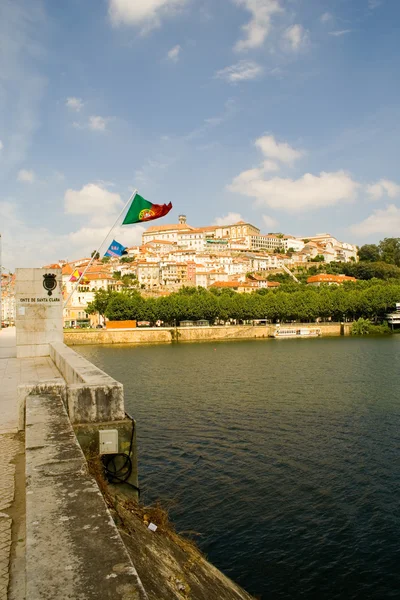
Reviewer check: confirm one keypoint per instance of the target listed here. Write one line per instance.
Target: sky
(283, 113)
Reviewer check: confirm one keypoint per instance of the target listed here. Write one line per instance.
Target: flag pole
(99, 248)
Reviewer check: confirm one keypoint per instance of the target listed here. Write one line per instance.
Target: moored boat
(296, 332)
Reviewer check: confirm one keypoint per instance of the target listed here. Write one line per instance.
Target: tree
(125, 307)
(318, 258)
(369, 253)
(105, 259)
(390, 251)
(126, 259)
(100, 302)
(95, 255)
(129, 280)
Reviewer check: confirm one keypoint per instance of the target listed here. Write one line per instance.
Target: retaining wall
(159, 335)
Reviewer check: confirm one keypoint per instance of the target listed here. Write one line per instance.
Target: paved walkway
(13, 371)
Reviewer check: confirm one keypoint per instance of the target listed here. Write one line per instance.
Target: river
(282, 454)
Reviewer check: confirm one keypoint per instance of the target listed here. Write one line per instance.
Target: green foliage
(362, 299)
(369, 253)
(365, 327)
(95, 254)
(279, 277)
(318, 258)
(387, 251)
(105, 259)
(126, 259)
(129, 280)
(362, 270)
(100, 302)
(124, 307)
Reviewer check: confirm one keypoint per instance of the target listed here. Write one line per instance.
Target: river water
(282, 454)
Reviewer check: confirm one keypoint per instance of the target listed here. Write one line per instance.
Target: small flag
(75, 275)
(116, 249)
(142, 210)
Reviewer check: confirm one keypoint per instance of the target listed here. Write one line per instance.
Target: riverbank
(159, 335)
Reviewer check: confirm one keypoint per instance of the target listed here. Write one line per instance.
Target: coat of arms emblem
(49, 283)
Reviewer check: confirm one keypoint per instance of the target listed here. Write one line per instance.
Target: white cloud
(146, 14)
(270, 165)
(309, 192)
(259, 26)
(1, 145)
(27, 246)
(83, 241)
(73, 103)
(296, 37)
(382, 221)
(277, 151)
(98, 123)
(229, 219)
(27, 176)
(269, 222)
(244, 70)
(383, 187)
(340, 32)
(93, 200)
(326, 17)
(173, 54)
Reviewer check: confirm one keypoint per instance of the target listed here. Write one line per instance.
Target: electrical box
(108, 441)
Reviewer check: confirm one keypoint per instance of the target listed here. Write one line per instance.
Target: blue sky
(282, 112)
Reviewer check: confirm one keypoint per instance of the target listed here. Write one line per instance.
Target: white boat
(295, 332)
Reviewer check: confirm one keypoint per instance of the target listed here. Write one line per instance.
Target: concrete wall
(92, 395)
(186, 334)
(73, 548)
(38, 311)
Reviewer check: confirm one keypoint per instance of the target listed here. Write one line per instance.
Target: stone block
(93, 403)
(27, 351)
(24, 275)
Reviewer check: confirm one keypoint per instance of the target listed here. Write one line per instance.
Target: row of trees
(367, 299)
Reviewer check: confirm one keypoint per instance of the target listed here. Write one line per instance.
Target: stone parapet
(92, 395)
(73, 548)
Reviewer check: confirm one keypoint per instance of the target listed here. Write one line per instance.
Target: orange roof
(159, 242)
(67, 270)
(325, 278)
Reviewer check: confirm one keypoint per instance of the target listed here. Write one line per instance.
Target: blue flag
(116, 249)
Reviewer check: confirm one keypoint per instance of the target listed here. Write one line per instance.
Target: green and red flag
(142, 210)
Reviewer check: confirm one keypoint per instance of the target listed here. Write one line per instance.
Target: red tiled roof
(325, 278)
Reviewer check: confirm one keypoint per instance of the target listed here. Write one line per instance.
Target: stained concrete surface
(74, 550)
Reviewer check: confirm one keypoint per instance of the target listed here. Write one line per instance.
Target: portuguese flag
(142, 210)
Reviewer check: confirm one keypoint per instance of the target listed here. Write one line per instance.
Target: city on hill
(235, 258)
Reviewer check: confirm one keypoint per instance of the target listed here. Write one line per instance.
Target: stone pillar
(39, 311)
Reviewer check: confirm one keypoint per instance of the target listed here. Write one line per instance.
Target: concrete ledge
(92, 395)
(73, 548)
(25, 389)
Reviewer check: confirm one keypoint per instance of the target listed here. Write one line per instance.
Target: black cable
(115, 474)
